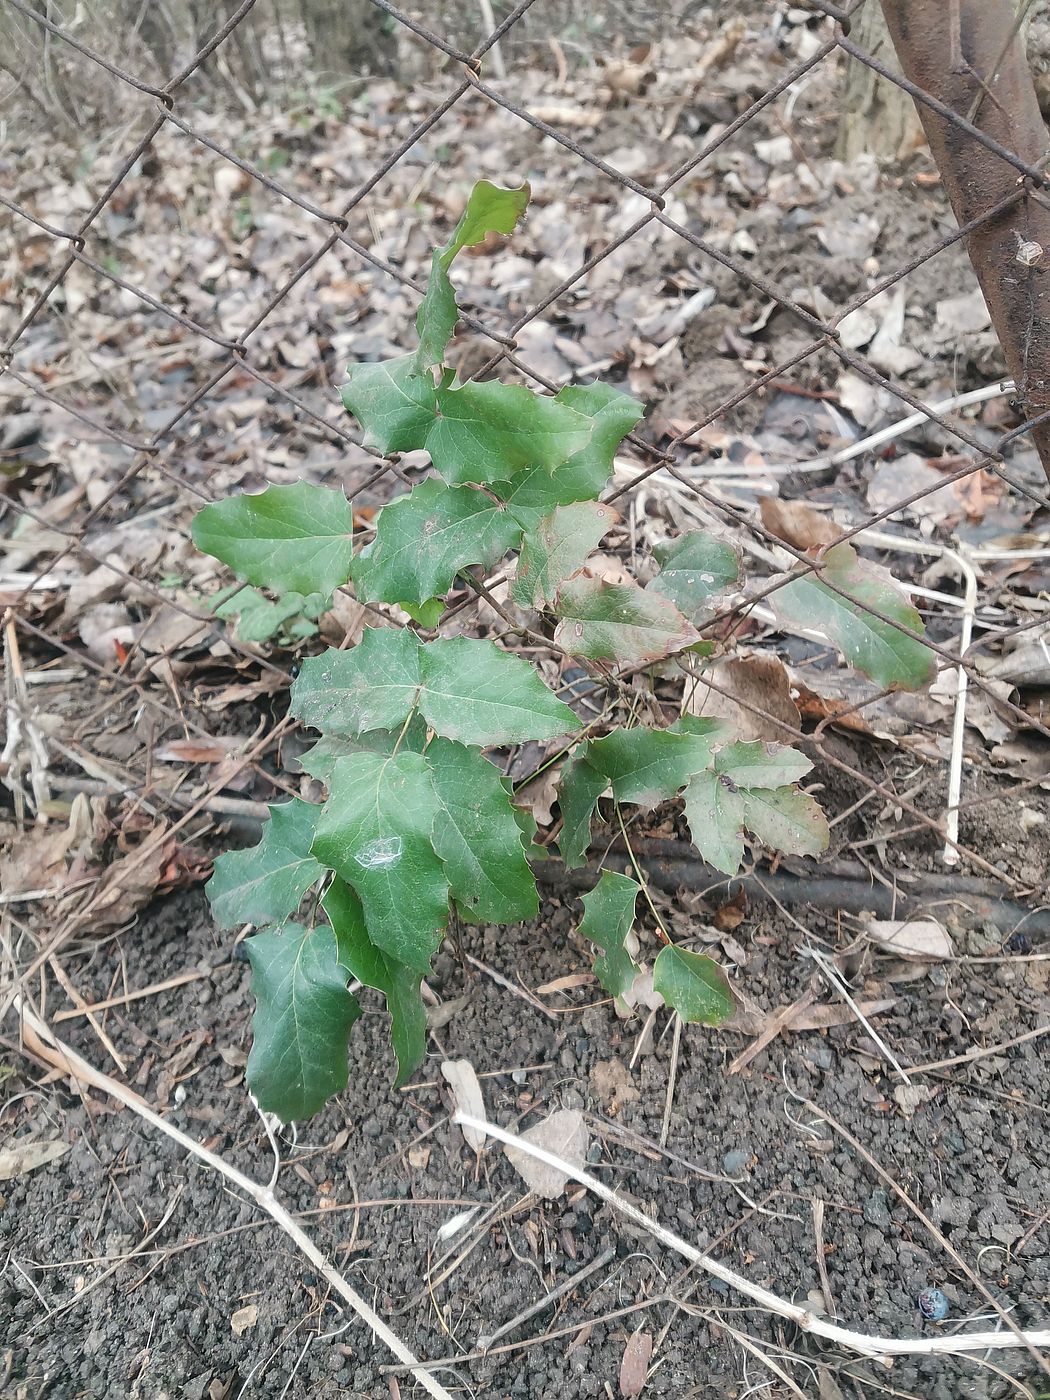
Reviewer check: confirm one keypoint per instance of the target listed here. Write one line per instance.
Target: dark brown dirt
(975, 1157)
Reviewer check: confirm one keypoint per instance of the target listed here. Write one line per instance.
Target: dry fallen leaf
(467, 1096)
(565, 1135)
(612, 1079)
(796, 524)
(752, 690)
(244, 1319)
(635, 1364)
(923, 939)
(24, 1157)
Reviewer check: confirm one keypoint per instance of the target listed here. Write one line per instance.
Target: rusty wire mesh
(150, 453)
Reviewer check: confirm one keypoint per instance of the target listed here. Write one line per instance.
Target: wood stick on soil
(66, 1059)
(879, 1348)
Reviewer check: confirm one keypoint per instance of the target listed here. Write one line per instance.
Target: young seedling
(419, 820)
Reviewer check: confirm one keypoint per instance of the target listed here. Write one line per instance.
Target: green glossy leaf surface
(394, 401)
(578, 793)
(694, 985)
(477, 694)
(759, 765)
(483, 431)
(303, 1015)
(289, 539)
(398, 984)
(555, 547)
(266, 884)
(607, 920)
(376, 831)
(534, 491)
(490, 209)
(714, 809)
(786, 819)
(371, 686)
(319, 760)
(425, 538)
(694, 569)
(877, 648)
(648, 766)
(478, 837)
(618, 622)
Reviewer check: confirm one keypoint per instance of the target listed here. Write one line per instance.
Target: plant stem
(641, 877)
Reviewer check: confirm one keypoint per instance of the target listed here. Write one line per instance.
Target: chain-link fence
(221, 386)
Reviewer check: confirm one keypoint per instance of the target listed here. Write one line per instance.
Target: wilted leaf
(607, 920)
(555, 547)
(694, 985)
(22, 1157)
(797, 524)
(618, 622)
(244, 1319)
(746, 689)
(290, 539)
(302, 1020)
(563, 1134)
(635, 1364)
(695, 568)
(466, 1093)
(757, 765)
(879, 649)
(922, 939)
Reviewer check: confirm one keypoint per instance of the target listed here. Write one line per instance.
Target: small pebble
(933, 1305)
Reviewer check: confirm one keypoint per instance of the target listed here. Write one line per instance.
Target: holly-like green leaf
(608, 916)
(476, 433)
(752, 786)
(534, 491)
(477, 694)
(483, 432)
(399, 984)
(759, 765)
(289, 539)
(877, 648)
(786, 820)
(478, 837)
(648, 766)
(618, 622)
(714, 809)
(266, 884)
(695, 568)
(371, 686)
(319, 760)
(303, 1015)
(427, 614)
(490, 209)
(259, 620)
(425, 538)
(694, 985)
(578, 793)
(394, 401)
(555, 547)
(376, 831)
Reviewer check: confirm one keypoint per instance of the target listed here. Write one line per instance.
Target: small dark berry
(933, 1305)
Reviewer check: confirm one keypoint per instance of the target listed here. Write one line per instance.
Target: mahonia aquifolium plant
(418, 821)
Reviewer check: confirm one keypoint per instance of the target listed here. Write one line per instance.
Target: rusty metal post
(968, 54)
